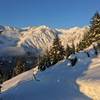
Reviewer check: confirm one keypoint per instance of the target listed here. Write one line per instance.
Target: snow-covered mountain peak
(74, 34)
(43, 27)
(39, 37)
(74, 29)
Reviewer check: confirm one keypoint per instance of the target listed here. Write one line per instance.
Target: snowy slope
(20, 78)
(60, 82)
(90, 81)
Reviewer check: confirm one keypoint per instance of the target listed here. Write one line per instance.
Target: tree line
(57, 51)
(55, 54)
(93, 35)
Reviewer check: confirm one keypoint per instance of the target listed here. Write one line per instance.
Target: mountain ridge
(38, 37)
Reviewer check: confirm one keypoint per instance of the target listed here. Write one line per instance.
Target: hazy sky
(54, 13)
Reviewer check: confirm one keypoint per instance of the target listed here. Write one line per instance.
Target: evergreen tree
(81, 45)
(95, 50)
(20, 66)
(68, 51)
(98, 45)
(94, 33)
(77, 47)
(48, 59)
(84, 43)
(73, 48)
(44, 61)
(41, 65)
(57, 51)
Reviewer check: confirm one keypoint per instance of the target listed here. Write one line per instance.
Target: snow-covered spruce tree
(77, 47)
(20, 66)
(98, 45)
(94, 33)
(44, 61)
(73, 48)
(41, 64)
(57, 51)
(68, 51)
(84, 43)
(48, 59)
(81, 45)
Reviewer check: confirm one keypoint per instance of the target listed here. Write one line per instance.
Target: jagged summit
(74, 34)
(44, 26)
(39, 37)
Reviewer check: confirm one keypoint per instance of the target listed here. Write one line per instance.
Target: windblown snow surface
(59, 82)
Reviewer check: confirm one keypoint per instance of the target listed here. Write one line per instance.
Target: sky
(53, 13)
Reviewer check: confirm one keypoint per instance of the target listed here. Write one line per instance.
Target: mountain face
(38, 38)
(74, 35)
